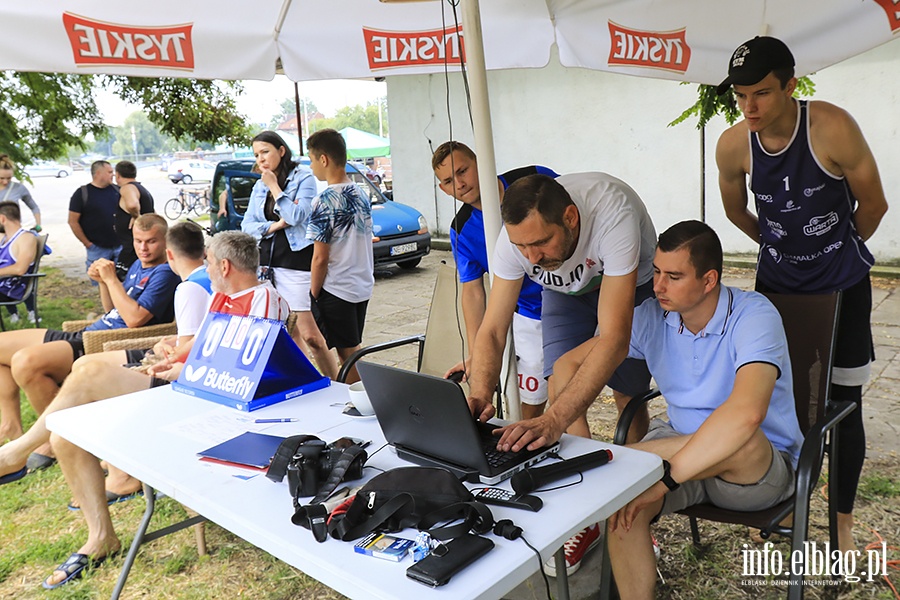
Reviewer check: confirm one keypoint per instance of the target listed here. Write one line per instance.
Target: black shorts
(72, 337)
(135, 357)
(341, 322)
(156, 382)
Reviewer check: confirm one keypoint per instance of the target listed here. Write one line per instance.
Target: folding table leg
(150, 498)
(562, 578)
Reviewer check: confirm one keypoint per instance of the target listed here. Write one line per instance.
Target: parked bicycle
(187, 201)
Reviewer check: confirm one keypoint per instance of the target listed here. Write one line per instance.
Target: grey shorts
(775, 486)
(569, 321)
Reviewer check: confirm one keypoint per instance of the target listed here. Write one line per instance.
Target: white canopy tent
(685, 40)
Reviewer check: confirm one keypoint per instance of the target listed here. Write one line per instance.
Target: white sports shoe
(14, 318)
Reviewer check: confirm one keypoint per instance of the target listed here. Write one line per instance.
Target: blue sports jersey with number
(153, 288)
(808, 241)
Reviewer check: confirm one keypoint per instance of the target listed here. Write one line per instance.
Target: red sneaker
(575, 548)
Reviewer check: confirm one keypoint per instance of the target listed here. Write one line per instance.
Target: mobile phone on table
(437, 568)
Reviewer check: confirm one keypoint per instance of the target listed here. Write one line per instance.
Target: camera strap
(285, 454)
(348, 456)
(314, 516)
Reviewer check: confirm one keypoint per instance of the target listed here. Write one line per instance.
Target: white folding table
(155, 435)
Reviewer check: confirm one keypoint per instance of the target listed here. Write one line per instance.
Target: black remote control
(501, 497)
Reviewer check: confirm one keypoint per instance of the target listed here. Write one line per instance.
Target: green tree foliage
(147, 137)
(42, 115)
(364, 118)
(288, 110)
(709, 104)
(186, 108)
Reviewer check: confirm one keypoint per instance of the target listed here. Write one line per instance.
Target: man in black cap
(818, 197)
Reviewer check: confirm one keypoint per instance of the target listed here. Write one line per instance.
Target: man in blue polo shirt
(720, 358)
(456, 169)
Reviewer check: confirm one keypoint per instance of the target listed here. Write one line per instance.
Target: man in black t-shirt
(92, 215)
(134, 200)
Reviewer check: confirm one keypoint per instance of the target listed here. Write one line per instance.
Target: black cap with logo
(755, 59)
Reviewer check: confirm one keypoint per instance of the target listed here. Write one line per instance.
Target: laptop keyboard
(496, 458)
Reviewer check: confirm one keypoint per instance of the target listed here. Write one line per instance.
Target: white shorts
(294, 286)
(529, 359)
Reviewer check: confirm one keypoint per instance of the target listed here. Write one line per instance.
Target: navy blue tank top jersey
(808, 241)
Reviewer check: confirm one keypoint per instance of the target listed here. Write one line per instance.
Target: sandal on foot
(112, 498)
(36, 462)
(73, 568)
(14, 476)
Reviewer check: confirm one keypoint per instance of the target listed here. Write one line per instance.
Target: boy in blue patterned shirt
(342, 266)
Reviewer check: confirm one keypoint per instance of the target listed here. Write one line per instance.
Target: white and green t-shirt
(616, 237)
(342, 217)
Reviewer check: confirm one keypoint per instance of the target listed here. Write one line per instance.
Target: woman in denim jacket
(277, 216)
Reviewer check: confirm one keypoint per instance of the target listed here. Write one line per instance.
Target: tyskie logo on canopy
(664, 50)
(101, 43)
(389, 49)
(892, 8)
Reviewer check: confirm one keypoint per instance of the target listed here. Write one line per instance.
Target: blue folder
(249, 449)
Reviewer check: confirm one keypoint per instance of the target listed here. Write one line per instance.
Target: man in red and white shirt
(232, 261)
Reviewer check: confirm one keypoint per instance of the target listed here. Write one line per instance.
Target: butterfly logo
(192, 375)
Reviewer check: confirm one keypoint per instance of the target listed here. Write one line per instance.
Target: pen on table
(276, 420)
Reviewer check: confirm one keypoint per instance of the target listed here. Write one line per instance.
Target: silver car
(48, 168)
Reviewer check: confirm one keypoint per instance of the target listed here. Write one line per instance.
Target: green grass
(60, 299)
(878, 486)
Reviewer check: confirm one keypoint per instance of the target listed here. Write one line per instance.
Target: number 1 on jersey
(787, 183)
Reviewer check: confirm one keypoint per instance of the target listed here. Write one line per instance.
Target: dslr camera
(313, 462)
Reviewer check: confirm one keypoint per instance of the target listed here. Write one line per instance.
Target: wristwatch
(667, 477)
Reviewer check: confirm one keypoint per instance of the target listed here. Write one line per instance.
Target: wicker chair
(94, 340)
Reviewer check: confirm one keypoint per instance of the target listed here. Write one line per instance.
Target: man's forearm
(317, 277)
(79, 233)
(14, 270)
(485, 369)
(131, 312)
(867, 220)
(746, 222)
(105, 298)
(473, 307)
(592, 374)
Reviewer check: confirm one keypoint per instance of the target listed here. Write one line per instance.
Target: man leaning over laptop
(720, 358)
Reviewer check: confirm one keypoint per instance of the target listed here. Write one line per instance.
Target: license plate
(403, 249)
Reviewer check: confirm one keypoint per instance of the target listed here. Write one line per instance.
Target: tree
(358, 117)
(43, 114)
(288, 110)
(147, 137)
(709, 104)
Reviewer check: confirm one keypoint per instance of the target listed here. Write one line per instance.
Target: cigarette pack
(384, 546)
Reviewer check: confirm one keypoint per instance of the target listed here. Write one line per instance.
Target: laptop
(427, 420)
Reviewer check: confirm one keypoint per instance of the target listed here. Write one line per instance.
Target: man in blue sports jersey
(456, 170)
(818, 197)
